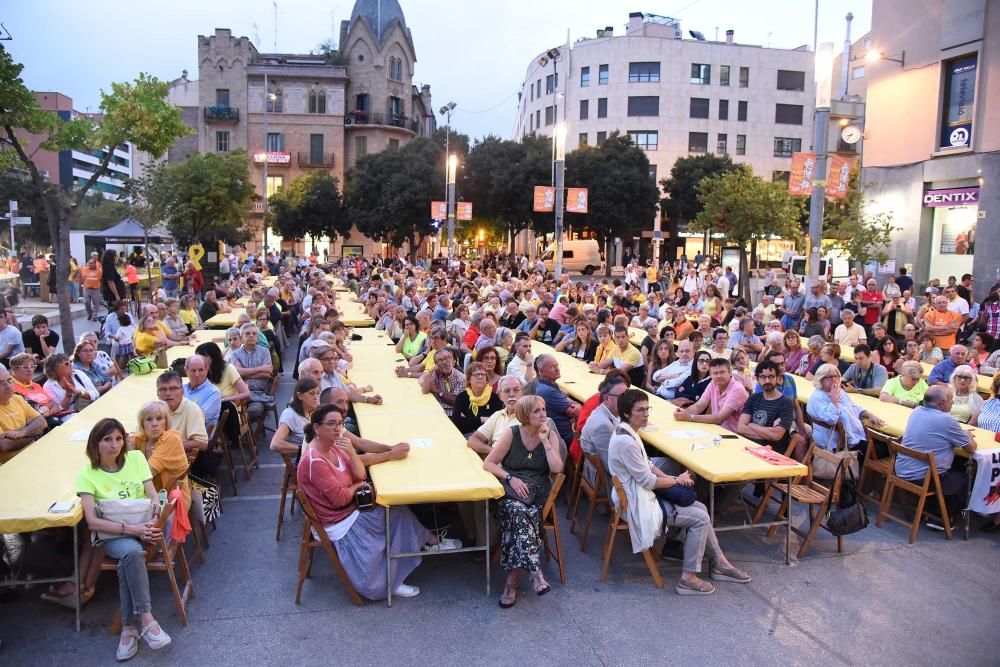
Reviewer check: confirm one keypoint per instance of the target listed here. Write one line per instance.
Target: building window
(644, 106)
(274, 184)
(396, 69)
(317, 101)
(959, 101)
(396, 111)
(538, 88)
(222, 97)
(360, 146)
(601, 138)
(275, 141)
(697, 142)
(531, 118)
(723, 109)
(394, 144)
(791, 80)
(602, 107)
(644, 139)
(550, 115)
(741, 110)
(222, 142)
(531, 88)
(584, 77)
(701, 74)
(582, 140)
(602, 75)
(361, 103)
(785, 146)
(722, 144)
(538, 119)
(275, 102)
(744, 77)
(788, 114)
(858, 72)
(551, 83)
(741, 144)
(315, 149)
(643, 72)
(781, 176)
(699, 107)
(723, 75)
(584, 109)
(652, 172)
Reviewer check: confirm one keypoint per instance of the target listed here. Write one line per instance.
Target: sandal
(509, 597)
(128, 643)
(688, 588)
(541, 588)
(732, 573)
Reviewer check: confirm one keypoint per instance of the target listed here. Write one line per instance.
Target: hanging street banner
(545, 199)
(439, 210)
(839, 176)
(576, 200)
(803, 169)
(464, 210)
(273, 157)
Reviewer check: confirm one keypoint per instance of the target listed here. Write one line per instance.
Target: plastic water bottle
(716, 440)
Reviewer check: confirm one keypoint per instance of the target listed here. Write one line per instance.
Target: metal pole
(451, 209)
(824, 73)
(560, 172)
(266, 100)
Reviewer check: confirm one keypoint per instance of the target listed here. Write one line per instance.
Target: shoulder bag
(850, 515)
(128, 512)
(142, 365)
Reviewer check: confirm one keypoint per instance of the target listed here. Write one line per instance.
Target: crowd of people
(466, 339)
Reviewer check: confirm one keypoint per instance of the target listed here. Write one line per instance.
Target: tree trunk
(745, 286)
(61, 243)
(510, 229)
(608, 244)
(744, 275)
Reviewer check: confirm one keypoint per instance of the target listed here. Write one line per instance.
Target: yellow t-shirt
(605, 351)
(13, 416)
(651, 274)
(145, 344)
(630, 356)
(190, 317)
(227, 386)
(126, 484)
(429, 360)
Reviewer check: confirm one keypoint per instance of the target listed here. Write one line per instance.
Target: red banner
(545, 199)
(576, 200)
(839, 176)
(439, 210)
(803, 170)
(464, 210)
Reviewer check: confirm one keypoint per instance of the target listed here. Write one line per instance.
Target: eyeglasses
(24, 367)
(7, 381)
(479, 375)
(703, 360)
(338, 423)
(962, 377)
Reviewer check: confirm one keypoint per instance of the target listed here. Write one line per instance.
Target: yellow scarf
(476, 402)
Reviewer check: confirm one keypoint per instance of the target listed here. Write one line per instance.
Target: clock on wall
(851, 134)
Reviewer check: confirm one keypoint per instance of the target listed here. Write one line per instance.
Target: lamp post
(452, 168)
(824, 85)
(268, 97)
(559, 169)
(446, 111)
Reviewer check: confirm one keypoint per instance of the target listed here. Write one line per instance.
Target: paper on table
(689, 434)
(421, 442)
(81, 435)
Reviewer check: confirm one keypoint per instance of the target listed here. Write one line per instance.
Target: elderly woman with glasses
(477, 403)
(329, 473)
(907, 388)
(966, 401)
(66, 387)
(829, 405)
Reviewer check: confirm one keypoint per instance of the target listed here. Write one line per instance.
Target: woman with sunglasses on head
(67, 388)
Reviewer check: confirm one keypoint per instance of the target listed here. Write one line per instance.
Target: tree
(96, 213)
(621, 196)
(388, 194)
(205, 198)
(135, 112)
(745, 207)
(859, 235)
(681, 188)
(457, 143)
(310, 205)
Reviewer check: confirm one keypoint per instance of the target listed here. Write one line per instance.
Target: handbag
(364, 497)
(161, 358)
(142, 365)
(129, 512)
(678, 495)
(206, 501)
(823, 469)
(509, 492)
(850, 515)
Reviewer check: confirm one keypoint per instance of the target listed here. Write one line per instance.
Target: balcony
(386, 120)
(221, 114)
(310, 159)
(258, 207)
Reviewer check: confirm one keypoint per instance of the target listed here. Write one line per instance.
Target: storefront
(954, 213)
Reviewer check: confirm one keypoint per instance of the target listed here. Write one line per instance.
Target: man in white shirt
(957, 304)
(672, 377)
(510, 391)
(849, 333)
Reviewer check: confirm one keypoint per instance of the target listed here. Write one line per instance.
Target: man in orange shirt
(942, 323)
(90, 276)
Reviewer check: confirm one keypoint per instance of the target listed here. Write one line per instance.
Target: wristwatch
(507, 478)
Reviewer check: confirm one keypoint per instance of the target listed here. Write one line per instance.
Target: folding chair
(161, 556)
(776, 487)
(314, 537)
(596, 494)
(289, 484)
(875, 466)
(817, 499)
(246, 439)
(931, 486)
(550, 521)
(619, 524)
(260, 428)
(218, 446)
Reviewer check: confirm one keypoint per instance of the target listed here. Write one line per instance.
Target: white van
(579, 256)
(831, 267)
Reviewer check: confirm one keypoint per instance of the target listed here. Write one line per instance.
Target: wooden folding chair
(289, 484)
(218, 446)
(619, 524)
(816, 497)
(260, 428)
(314, 537)
(931, 486)
(550, 522)
(776, 486)
(596, 493)
(876, 467)
(573, 469)
(161, 556)
(246, 439)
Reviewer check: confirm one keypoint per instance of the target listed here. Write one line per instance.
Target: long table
(44, 472)
(225, 320)
(439, 468)
(727, 463)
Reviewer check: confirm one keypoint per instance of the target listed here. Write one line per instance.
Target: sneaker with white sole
(128, 643)
(444, 544)
(406, 591)
(155, 636)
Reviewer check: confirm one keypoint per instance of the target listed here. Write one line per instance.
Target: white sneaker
(155, 636)
(128, 643)
(444, 544)
(406, 591)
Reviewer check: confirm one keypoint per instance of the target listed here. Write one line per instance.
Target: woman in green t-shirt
(907, 388)
(413, 339)
(114, 474)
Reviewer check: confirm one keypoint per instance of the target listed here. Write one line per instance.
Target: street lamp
(559, 169)
(452, 168)
(824, 93)
(446, 111)
(874, 55)
(268, 97)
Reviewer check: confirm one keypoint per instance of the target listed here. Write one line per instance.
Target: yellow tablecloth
(353, 314)
(445, 471)
(984, 382)
(209, 336)
(45, 471)
(225, 320)
(729, 462)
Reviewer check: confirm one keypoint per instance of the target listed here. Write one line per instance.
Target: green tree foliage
(205, 198)
(745, 207)
(136, 112)
(457, 143)
(681, 189)
(859, 235)
(310, 205)
(499, 177)
(96, 213)
(622, 197)
(388, 194)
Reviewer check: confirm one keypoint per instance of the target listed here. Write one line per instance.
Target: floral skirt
(520, 534)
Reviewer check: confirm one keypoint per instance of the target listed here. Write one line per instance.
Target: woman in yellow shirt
(149, 337)
(605, 346)
(189, 314)
(163, 449)
(712, 303)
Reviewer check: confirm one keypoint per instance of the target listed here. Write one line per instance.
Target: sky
(471, 52)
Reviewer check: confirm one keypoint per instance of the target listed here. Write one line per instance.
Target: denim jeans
(133, 580)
